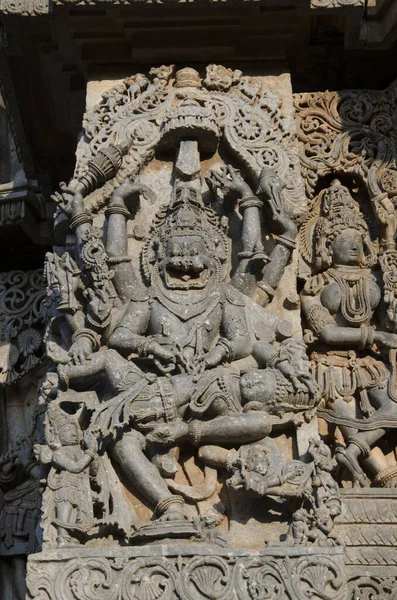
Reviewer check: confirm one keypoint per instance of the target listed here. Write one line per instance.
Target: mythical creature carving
(185, 352)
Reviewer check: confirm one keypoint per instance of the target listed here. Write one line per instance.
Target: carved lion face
(187, 264)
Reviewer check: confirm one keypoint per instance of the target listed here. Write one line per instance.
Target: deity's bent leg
(144, 476)
(374, 459)
(359, 443)
(344, 409)
(348, 456)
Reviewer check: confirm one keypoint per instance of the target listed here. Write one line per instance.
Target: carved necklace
(353, 285)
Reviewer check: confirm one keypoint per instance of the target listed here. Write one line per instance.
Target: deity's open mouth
(176, 279)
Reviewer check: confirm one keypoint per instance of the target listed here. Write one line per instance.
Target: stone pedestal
(188, 572)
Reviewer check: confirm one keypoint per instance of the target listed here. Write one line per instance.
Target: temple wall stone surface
(198, 301)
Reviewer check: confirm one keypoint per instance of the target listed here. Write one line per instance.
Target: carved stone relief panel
(180, 404)
(348, 253)
(193, 396)
(129, 575)
(347, 265)
(23, 364)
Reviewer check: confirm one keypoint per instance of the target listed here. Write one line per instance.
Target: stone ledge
(191, 572)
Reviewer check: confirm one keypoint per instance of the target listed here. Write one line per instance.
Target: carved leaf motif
(149, 579)
(122, 576)
(206, 578)
(261, 579)
(39, 582)
(91, 580)
(346, 131)
(22, 318)
(366, 588)
(318, 578)
(264, 584)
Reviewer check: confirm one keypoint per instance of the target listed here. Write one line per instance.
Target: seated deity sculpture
(176, 336)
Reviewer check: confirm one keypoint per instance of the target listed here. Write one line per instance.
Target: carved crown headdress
(55, 419)
(187, 215)
(337, 211)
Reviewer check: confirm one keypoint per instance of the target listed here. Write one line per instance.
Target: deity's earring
(323, 258)
(330, 257)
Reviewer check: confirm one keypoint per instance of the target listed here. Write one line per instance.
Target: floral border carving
(207, 577)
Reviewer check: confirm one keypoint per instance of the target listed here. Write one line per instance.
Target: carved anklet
(164, 505)
(364, 448)
(224, 343)
(386, 475)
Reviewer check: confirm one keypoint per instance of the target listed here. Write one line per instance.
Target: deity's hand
(229, 181)
(296, 471)
(271, 186)
(80, 351)
(143, 412)
(298, 375)
(215, 357)
(99, 303)
(286, 225)
(43, 453)
(270, 189)
(391, 302)
(164, 434)
(64, 199)
(90, 441)
(162, 353)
